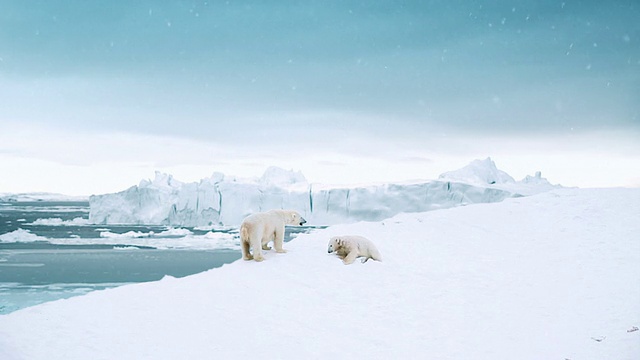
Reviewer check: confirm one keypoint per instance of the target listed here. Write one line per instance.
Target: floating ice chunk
(21, 235)
(59, 222)
(128, 234)
(174, 232)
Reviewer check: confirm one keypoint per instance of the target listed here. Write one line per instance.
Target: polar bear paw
(258, 258)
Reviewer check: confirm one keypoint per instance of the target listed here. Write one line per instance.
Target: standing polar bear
(260, 228)
(350, 247)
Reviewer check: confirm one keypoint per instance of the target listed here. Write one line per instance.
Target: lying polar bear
(260, 228)
(350, 247)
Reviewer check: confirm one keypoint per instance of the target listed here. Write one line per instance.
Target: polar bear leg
(265, 241)
(351, 257)
(245, 238)
(246, 255)
(279, 240)
(256, 246)
(258, 257)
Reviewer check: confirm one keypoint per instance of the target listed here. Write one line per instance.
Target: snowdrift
(550, 276)
(219, 200)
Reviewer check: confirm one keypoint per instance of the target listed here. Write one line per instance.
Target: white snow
(550, 276)
(219, 201)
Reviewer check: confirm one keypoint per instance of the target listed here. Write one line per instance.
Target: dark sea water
(43, 259)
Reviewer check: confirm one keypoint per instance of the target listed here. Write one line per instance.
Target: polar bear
(350, 247)
(258, 229)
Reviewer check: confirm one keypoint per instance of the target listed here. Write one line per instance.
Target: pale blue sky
(350, 83)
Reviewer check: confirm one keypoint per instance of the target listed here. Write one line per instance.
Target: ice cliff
(221, 200)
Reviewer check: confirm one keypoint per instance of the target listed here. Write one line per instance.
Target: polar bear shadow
(351, 247)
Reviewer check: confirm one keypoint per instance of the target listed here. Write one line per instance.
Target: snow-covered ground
(549, 276)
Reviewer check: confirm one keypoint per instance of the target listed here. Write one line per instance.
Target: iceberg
(481, 172)
(224, 201)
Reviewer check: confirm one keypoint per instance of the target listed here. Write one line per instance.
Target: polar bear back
(272, 219)
(363, 247)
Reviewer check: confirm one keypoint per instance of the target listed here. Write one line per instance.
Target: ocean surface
(49, 251)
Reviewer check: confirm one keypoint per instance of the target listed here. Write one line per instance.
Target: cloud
(197, 69)
(359, 89)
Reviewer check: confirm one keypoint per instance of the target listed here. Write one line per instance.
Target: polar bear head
(293, 218)
(335, 244)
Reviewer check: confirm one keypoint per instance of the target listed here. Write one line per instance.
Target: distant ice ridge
(484, 173)
(225, 201)
(39, 196)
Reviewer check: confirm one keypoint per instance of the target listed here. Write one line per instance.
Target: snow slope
(219, 200)
(550, 276)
